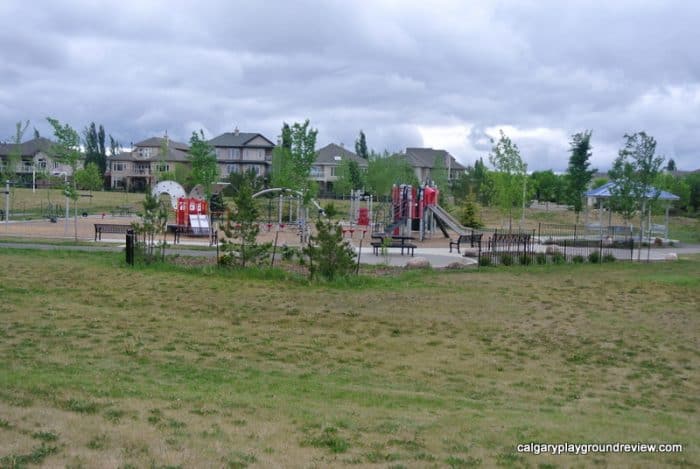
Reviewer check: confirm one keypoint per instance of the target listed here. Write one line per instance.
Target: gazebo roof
(604, 192)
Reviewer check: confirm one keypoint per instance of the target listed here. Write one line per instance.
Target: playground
(411, 224)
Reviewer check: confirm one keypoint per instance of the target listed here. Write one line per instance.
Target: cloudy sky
(444, 74)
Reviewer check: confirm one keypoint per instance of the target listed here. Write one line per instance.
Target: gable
(259, 141)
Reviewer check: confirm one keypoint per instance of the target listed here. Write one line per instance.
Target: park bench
(122, 211)
(472, 239)
(109, 228)
(401, 242)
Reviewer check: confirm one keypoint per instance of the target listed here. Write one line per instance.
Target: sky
(440, 74)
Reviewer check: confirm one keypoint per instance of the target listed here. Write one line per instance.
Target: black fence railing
(555, 244)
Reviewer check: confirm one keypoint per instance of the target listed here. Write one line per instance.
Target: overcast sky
(443, 74)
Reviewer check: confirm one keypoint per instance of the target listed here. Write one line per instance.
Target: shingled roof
(177, 151)
(28, 148)
(425, 158)
(158, 142)
(239, 139)
(328, 154)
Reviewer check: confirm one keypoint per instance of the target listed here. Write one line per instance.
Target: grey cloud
(143, 67)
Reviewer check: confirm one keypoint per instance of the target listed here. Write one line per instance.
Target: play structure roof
(605, 191)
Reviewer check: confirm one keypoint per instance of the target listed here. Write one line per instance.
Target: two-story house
(238, 152)
(423, 161)
(33, 158)
(327, 161)
(140, 167)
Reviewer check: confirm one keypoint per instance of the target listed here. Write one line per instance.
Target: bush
(484, 261)
(609, 258)
(541, 258)
(578, 259)
(525, 259)
(506, 259)
(558, 258)
(594, 257)
(468, 213)
(330, 256)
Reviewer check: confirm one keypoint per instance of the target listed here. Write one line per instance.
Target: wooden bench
(463, 239)
(395, 242)
(109, 228)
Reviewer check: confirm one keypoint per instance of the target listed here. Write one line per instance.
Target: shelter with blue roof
(605, 192)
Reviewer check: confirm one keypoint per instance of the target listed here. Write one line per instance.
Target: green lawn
(107, 366)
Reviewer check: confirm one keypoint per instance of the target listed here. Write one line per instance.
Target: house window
(56, 165)
(118, 166)
(254, 154)
(316, 172)
(163, 167)
(333, 169)
(41, 164)
(231, 168)
(145, 152)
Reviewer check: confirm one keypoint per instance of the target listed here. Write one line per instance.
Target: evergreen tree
(241, 230)
(578, 173)
(361, 146)
(330, 256)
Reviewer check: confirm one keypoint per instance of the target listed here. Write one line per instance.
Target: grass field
(106, 366)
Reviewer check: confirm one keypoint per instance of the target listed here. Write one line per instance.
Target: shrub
(330, 256)
(468, 213)
(558, 258)
(578, 259)
(541, 258)
(594, 257)
(609, 258)
(484, 261)
(506, 259)
(525, 259)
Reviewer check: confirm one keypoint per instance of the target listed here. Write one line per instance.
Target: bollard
(130, 247)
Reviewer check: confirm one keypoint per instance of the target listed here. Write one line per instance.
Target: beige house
(423, 161)
(327, 161)
(34, 159)
(140, 167)
(238, 152)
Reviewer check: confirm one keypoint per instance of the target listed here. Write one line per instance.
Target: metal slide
(442, 215)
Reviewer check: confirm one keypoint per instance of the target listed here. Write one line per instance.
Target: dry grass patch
(189, 367)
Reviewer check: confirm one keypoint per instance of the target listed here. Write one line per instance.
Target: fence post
(575, 233)
(130, 247)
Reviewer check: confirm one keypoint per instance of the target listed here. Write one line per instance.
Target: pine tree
(361, 146)
(578, 173)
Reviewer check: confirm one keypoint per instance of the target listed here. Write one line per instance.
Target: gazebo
(606, 192)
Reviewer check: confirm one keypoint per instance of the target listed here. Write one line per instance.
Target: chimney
(236, 131)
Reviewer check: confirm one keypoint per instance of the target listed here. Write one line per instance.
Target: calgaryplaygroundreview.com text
(587, 448)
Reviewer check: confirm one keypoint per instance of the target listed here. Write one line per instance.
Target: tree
(349, 177)
(547, 186)
(384, 170)
(578, 173)
(237, 180)
(510, 176)
(205, 170)
(154, 220)
(671, 166)
(241, 231)
(439, 175)
(292, 161)
(633, 173)
(330, 256)
(66, 150)
(88, 178)
(114, 147)
(693, 181)
(95, 151)
(361, 146)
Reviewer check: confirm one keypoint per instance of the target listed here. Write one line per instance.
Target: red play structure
(417, 209)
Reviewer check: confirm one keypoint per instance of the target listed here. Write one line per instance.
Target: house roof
(605, 191)
(158, 142)
(177, 151)
(425, 158)
(328, 154)
(239, 139)
(28, 148)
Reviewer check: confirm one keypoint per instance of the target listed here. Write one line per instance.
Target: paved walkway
(438, 257)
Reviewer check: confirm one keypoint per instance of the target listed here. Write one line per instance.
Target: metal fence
(556, 244)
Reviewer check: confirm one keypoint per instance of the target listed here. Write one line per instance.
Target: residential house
(423, 161)
(139, 168)
(327, 161)
(34, 159)
(238, 152)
